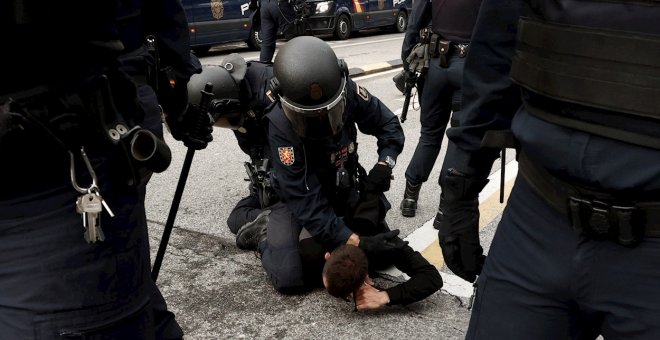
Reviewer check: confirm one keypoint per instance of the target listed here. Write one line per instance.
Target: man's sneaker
(252, 233)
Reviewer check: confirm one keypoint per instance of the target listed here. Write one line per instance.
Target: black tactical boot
(410, 196)
(252, 233)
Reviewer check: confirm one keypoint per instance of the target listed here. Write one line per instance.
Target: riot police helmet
(311, 85)
(225, 105)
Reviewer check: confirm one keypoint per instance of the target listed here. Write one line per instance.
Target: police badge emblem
(217, 9)
(286, 155)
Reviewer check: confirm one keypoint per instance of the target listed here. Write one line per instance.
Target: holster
(439, 48)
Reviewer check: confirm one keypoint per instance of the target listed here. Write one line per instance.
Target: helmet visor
(227, 114)
(317, 122)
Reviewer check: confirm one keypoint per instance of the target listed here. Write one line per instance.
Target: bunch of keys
(90, 204)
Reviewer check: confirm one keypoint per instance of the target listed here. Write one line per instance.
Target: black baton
(204, 104)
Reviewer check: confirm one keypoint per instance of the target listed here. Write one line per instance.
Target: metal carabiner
(74, 182)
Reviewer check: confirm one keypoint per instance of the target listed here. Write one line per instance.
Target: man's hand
(458, 225)
(367, 297)
(379, 178)
(193, 128)
(382, 243)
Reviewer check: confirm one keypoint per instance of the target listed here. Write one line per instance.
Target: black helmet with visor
(311, 85)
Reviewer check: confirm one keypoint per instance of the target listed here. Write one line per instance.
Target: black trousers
(55, 285)
(542, 280)
(276, 16)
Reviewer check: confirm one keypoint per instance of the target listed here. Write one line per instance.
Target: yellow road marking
(488, 211)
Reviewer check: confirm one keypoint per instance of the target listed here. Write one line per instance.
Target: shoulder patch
(286, 155)
(363, 93)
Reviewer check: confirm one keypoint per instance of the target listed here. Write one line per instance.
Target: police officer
(312, 134)
(79, 131)
(276, 16)
(239, 102)
(575, 253)
(447, 44)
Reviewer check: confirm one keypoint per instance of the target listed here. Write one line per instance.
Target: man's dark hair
(345, 270)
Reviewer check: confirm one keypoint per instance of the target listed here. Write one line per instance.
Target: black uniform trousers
(440, 95)
(276, 16)
(55, 285)
(542, 280)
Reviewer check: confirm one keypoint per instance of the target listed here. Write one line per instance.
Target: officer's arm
(490, 98)
(376, 119)
(166, 20)
(300, 189)
(420, 18)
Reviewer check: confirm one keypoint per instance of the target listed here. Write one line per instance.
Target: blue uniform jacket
(303, 171)
(253, 91)
(492, 102)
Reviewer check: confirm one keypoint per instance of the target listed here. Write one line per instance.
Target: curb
(374, 68)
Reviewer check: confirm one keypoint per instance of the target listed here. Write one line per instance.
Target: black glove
(418, 58)
(193, 128)
(383, 243)
(379, 179)
(457, 222)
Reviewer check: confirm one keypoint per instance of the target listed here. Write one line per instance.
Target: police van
(342, 17)
(213, 22)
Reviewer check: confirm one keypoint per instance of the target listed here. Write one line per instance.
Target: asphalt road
(220, 292)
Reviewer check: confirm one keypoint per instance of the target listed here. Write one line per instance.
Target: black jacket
(304, 171)
(491, 101)
(424, 278)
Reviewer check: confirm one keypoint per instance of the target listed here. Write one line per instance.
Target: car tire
(254, 41)
(401, 24)
(343, 27)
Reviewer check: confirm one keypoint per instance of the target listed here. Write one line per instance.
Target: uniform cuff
(344, 233)
(395, 294)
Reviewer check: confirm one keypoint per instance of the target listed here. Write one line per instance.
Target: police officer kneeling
(312, 133)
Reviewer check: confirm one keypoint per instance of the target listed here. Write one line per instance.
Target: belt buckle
(462, 50)
(589, 217)
(600, 220)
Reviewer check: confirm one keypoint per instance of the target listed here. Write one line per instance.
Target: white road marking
(336, 44)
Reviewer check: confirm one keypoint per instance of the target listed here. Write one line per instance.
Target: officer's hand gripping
(458, 225)
(379, 178)
(382, 243)
(195, 126)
